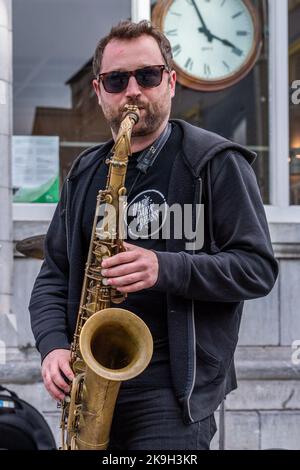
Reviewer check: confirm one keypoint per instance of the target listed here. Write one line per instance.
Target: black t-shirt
(146, 211)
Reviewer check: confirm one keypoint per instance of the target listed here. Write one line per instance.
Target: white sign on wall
(35, 168)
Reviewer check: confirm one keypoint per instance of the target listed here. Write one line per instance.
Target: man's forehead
(123, 52)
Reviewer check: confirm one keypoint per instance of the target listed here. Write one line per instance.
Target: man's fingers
(125, 280)
(129, 246)
(57, 378)
(120, 258)
(56, 372)
(54, 391)
(132, 287)
(60, 382)
(122, 270)
(66, 369)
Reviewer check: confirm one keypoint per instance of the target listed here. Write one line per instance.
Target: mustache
(137, 103)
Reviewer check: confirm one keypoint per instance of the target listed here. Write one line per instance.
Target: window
(241, 112)
(54, 41)
(294, 71)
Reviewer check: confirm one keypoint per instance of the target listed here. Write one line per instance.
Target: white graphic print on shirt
(146, 214)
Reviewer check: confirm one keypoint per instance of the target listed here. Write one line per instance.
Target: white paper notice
(35, 168)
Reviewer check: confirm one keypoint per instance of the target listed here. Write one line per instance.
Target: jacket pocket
(208, 366)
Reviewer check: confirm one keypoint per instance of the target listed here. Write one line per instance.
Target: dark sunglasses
(146, 77)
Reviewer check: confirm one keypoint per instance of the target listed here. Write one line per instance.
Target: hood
(200, 146)
(89, 157)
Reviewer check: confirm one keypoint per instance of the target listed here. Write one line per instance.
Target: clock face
(214, 42)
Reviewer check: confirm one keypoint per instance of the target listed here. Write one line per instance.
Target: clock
(215, 43)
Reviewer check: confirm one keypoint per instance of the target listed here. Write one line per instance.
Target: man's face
(154, 103)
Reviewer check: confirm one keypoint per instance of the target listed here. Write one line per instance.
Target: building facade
(45, 73)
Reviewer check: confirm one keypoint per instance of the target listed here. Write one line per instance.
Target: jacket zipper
(193, 316)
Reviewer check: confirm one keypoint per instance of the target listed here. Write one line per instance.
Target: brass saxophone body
(110, 344)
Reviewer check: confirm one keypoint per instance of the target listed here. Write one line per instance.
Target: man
(191, 297)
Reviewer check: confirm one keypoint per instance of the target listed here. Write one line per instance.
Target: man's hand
(54, 364)
(132, 270)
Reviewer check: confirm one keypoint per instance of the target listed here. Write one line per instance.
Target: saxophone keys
(117, 297)
(108, 198)
(103, 234)
(122, 191)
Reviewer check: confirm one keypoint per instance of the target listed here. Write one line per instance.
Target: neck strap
(149, 155)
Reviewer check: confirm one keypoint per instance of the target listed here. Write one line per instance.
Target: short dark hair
(129, 30)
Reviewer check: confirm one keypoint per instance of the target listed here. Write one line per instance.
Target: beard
(151, 117)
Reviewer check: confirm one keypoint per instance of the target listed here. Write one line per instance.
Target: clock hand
(204, 28)
(224, 41)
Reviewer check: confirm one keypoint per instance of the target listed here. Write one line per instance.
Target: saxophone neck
(122, 143)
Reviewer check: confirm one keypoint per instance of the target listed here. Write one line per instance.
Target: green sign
(35, 169)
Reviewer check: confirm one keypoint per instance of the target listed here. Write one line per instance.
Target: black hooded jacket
(206, 286)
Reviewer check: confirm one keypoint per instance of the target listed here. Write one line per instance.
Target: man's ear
(96, 86)
(172, 82)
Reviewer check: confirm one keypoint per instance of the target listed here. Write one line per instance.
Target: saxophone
(110, 344)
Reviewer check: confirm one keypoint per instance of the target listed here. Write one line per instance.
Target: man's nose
(133, 88)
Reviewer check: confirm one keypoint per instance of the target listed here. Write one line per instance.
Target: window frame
(280, 210)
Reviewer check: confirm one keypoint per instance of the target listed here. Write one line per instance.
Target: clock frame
(201, 84)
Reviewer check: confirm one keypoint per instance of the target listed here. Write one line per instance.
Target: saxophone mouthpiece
(132, 111)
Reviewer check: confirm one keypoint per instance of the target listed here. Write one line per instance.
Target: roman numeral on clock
(172, 32)
(207, 71)
(176, 50)
(189, 64)
(237, 15)
(242, 33)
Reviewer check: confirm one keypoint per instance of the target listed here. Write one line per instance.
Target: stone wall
(263, 413)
